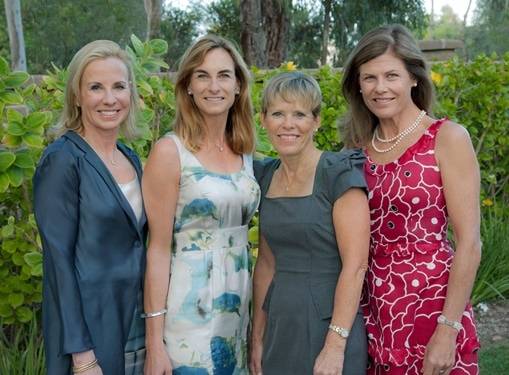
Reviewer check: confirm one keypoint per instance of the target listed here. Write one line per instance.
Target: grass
(492, 280)
(21, 350)
(494, 359)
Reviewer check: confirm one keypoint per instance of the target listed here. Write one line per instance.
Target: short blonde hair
(70, 118)
(188, 119)
(360, 122)
(293, 86)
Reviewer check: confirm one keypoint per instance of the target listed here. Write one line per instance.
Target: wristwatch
(342, 332)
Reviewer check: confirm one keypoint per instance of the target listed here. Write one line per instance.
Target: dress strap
(247, 162)
(186, 156)
(435, 127)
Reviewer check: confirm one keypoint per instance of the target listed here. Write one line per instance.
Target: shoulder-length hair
(70, 118)
(359, 123)
(188, 119)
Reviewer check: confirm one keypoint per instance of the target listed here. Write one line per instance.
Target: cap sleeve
(344, 170)
(263, 171)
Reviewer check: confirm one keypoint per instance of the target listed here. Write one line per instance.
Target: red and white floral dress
(410, 260)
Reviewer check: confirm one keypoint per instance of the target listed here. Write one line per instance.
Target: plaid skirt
(134, 362)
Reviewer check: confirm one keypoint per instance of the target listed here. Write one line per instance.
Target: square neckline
(313, 190)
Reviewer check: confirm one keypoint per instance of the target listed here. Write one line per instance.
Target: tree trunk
(16, 40)
(276, 26)
(252, 38)
(154, 9)
(327, 5)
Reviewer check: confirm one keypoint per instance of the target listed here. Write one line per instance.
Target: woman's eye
(95, 87)
(277, 114)
(392, 75)
(120, 87)
(300, 115)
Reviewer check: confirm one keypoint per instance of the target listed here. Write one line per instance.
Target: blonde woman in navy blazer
(87, 203)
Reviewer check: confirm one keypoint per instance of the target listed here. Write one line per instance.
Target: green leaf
(5, 310)
(16, 299)
(17, 259)
(7, 230)
(14, 128)
(6, 160)
(4, 182)
(24, 314)
(33, 140)
(16, 79)
(37, 270)
(34, 258)
(11, 97)
(4, 66)
(15, 176)
(24, 160)
(159, 46)
(38, 119)
(253, 235)
(145, 89)
(11, 140)
(137, 45)
(14, 116)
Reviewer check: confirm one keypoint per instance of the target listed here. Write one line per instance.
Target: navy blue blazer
(93, 255)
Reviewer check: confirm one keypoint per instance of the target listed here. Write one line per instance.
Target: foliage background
(475, 94)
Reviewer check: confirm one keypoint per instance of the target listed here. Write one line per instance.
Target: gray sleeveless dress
(300, 299)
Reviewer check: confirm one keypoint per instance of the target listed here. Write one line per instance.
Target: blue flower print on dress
(223, 356)
(240, 260)
(198, 208)
(200, 172)
(227, 302)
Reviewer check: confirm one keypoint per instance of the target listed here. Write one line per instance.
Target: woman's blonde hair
(188, 119)
(358, 125)
(70, 118)
(293, 86)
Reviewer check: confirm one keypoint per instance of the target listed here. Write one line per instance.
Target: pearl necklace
(398, 138)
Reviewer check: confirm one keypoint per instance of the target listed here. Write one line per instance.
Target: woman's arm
(263, 274)
(461, 181)
(351, 224)
(160, 193)
(56, 208)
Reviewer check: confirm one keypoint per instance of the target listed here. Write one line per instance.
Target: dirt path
(493, 324)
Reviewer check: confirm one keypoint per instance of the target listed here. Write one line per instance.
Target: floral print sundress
(410, 261)
(210, 284)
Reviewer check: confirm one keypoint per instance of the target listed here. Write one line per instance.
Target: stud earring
(189, 92)
(415, 84)
(360, 91)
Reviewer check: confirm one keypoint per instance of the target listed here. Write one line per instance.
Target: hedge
(475, 94)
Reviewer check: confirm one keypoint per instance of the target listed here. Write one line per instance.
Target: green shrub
(474, 94)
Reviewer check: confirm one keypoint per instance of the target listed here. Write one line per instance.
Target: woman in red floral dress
(421, 173)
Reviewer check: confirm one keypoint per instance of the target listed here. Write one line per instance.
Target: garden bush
(475, 94)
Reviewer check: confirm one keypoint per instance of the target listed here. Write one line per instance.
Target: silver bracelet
(450, 323)
(153, 314)
(342, 332)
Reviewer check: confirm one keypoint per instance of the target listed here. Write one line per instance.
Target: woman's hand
(83, 358)
(440, 354)
(330, 360)
(255, 360)
(157, 361)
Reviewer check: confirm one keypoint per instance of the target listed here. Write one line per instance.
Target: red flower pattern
(410, 263)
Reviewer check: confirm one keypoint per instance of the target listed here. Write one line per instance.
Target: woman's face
(290, 126)
(386, 85)
(104, 95)
(214, 85)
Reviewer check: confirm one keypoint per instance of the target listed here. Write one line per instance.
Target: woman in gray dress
(314, 239)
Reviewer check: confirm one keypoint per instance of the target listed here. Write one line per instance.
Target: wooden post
(16, 40)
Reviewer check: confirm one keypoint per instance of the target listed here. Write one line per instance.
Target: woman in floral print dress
(421, 173)
(200, 194)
